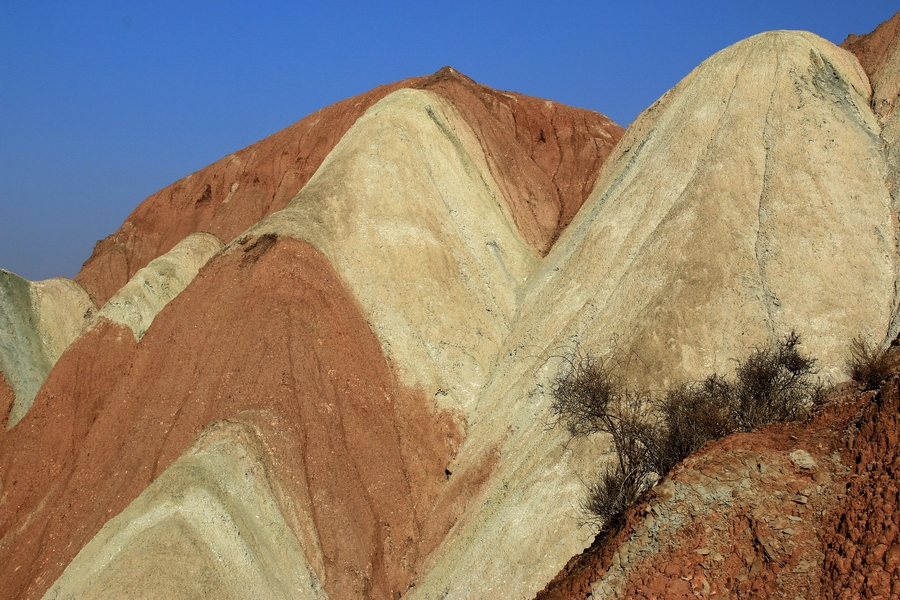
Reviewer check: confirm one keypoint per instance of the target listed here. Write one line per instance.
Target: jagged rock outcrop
(38, 320)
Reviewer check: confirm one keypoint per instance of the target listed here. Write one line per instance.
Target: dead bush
(693, 414)
(649, 438)
(584, 393)
(774, 384)
(868, 364)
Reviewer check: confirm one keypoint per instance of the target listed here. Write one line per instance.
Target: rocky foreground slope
(320, 367)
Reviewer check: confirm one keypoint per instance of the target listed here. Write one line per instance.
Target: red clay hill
(544, 155)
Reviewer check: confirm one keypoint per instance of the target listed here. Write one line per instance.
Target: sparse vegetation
(650, 436)
(868, 364)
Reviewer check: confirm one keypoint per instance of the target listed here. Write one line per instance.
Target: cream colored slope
(748, 201)
(406, 211)
(38, 320)
(138, 302)
(208, 527)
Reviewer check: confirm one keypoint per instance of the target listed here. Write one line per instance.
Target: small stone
(800, 499)
(795, 519)
(803, 460)
(702, 551)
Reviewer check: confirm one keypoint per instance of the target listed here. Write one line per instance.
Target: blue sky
(104, 103)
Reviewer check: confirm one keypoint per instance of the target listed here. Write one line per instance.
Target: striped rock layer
(349, 397)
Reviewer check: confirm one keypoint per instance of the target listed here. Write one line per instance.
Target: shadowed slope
(265, 329)
(545, 156)
(879, 54)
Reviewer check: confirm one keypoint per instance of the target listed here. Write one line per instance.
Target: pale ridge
(214, 508)
(38, 321)
(405, 209)
(138, 302)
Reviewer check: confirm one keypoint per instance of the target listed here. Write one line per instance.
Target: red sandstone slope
(266, 333)
(873, 49)
(799, 510)
(544, 156)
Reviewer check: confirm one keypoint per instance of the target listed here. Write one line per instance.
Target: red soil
(268, 334)
(862, 545)
(838, 536)
(544, 156)
(873, 49)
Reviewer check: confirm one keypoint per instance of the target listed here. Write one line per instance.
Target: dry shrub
(694, 414)
(773, 384)
(868, 365)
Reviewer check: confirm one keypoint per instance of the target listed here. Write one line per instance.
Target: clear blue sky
(103, 103)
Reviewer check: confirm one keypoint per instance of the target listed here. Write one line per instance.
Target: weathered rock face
(350, 398)
(355, 461)
(751, 195)
(724, 218)
(545, 156)
(38, 321)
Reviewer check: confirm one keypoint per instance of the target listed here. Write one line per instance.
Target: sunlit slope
(408, 213)
(138, 302)
(747, 202)
(38, 320)
(209, 526)
(750, 200)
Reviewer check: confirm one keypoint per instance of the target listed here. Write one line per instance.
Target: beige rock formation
(215, 510)
(154, 286)
(743, 204)
(406, 210)
(38, 321)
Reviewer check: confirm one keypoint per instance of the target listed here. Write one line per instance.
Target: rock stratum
(321, 367)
